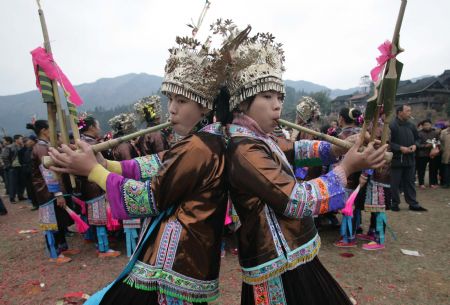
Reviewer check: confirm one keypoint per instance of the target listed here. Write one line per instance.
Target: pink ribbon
(348, 209)
(81, 203)
(386, 54)
(45, 60)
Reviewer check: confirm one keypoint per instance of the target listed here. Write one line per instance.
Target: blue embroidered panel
(273, 231)
(169, 244)
(138, 199)
(276, 291)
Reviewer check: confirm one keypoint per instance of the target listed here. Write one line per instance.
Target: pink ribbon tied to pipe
(45, 60)
(386, 54)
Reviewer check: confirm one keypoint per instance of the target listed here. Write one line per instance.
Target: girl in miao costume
(121, 125)
(349, 120)
(93, 195)
(377, 198)
(278, 241)
(53, 219)
(184, 190)
(148, 110)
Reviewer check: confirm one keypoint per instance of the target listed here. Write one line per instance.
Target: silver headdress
(123, 123)
(307, 109)
(256, 66)
(148, 108)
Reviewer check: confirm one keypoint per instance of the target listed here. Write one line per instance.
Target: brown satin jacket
(43, 195)
(125, 151)
(40, 187)
(276, 234)
(182, 256)
(152, 143)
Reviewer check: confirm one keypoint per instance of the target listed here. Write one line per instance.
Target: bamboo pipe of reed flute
(328, 138)
(47, 161)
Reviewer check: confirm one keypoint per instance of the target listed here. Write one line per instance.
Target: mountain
(112, 92)
(337, 92)
(301, 85)
(103, 94)
(109, 96)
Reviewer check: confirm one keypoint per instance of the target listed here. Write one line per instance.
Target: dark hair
(350, 116)
(17, 136)
(8, 139)
(86, 122)
(118, 134)
(324, 128)
(400, 108)
(222, 107)
(426, 121)
(38, 126)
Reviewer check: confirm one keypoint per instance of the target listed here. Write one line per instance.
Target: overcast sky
(329, 42)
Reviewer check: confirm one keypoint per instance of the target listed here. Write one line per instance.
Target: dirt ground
(385, 277)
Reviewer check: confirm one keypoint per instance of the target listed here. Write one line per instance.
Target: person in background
(25, 159)
(148, 110)
(124, 124)
(426, 137)
(445, 158)
(14, 169)
(404, 142)
(349, 121)
(92, 194)
(2, 166)
(7, 141)
(51, 198)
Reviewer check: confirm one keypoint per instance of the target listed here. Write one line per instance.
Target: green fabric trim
(308, 162)
(168, 292)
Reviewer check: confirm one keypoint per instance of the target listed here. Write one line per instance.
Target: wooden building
(426, 96)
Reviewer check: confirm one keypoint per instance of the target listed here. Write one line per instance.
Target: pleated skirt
(308, 284)
(123, 294)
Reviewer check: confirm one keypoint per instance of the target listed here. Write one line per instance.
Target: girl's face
(341, 122)
(95, 130)
(184, 113)
(45, 132)
(266, 110)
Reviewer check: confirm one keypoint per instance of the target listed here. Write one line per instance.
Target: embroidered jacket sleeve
(313, 153)
(157, 186)
(255, 170)
(141, 168)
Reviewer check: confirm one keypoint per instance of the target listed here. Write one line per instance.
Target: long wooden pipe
(57, 104)
(48, 161)
(328, 138)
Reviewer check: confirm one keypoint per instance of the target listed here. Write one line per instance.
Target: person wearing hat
(50, 196)
(148, 110)
(121, 125)
(278, 242)
(93, 195)
(184, 190)
(307, 114)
